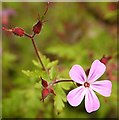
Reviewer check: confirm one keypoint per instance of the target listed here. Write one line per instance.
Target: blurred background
(75, 33)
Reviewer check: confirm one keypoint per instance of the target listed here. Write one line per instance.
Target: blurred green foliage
(75, 33)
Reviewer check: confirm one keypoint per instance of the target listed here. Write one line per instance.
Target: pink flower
(88, 86)
(5, 14)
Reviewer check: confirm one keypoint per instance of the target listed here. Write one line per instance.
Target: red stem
(46, 9)
(58, 81)
(36, 49)
(27, 35)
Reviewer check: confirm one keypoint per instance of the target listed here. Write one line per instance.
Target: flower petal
(77, 74)
(75, 96)
(103, 87)
(91, 101)
(97, 69)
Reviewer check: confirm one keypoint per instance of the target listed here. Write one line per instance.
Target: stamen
(86, 84)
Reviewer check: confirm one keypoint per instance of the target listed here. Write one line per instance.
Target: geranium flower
(88, 86)
(5, 14)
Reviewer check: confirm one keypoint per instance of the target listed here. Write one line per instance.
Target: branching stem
(36, 49)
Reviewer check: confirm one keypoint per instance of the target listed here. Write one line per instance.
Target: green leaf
(46, 61)
(36, 74)
(59, 99)
(66, 85)
(52, 73)
(41, 73)
(58, 103)
(53, 63)
(36, 63)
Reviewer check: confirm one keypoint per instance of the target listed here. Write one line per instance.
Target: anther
(86, 84)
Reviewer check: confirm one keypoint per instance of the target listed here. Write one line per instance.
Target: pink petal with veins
(77, 74)
(76, 96)
(91, 101)
(96, 71)
(103, 87)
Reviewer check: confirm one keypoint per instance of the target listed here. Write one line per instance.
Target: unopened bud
(44, 83)
(18, 31)
(105, 60)
(52, 91)
(37, 27)
(45, 93)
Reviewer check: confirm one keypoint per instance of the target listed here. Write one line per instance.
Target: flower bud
(18, 31)
(47, 89)
(44, 83)
(52, 91)
(45, 93)
(37, 27)
(104, 59)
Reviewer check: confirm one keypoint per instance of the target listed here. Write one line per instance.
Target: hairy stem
(46, 9)
(36, 50)
(27, 35)
(58, 81)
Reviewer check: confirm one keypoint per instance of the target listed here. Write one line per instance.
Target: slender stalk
(27, 35)
(33, 35)
(36, 50)
(46, 9)
(58, 81)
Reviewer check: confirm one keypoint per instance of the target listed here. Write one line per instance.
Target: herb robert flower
(88, 86)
